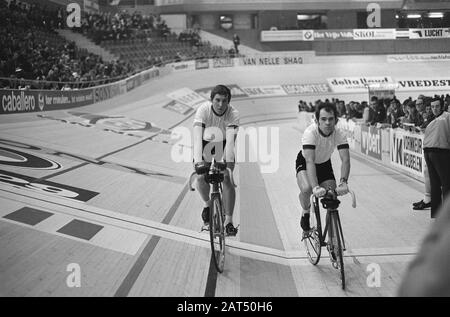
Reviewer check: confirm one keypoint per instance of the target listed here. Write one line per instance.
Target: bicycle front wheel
(217, 233)
(312, 239)
(336, 245)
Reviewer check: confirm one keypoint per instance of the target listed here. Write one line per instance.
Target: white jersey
(210, 121)
(323, 145)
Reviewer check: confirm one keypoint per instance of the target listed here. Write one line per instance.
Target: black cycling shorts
(213, 149)
(324, 170)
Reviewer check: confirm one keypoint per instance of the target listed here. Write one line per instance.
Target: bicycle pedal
(306, 235)
(204, 228)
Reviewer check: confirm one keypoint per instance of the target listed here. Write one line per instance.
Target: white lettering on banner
(371, 142)
(424, 84)
(332, 35)
(407, 151)
(18, 103)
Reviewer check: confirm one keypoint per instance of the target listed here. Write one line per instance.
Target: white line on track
(234, 247)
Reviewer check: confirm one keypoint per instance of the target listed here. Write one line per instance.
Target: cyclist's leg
(204, 188)
(303, 183)
(304, 197)
(305, 191)
(229, 197)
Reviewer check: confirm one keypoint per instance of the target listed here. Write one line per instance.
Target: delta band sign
(406, 151)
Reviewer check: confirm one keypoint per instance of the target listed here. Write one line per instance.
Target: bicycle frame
(214, 176)
(331, 206)
(323, 235)
(332, 236)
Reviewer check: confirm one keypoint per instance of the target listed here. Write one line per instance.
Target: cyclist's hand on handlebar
(319, 191)
(200, 166)
(342, 189)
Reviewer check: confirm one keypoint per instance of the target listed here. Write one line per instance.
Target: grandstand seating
(143, 52)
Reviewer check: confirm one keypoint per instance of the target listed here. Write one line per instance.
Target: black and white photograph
(225, 154)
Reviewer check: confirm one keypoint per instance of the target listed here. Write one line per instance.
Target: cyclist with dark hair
(313, 165)
(215, 131)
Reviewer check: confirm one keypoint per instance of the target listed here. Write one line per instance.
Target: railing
(21, 83)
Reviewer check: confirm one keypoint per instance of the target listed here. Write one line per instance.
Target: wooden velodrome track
(137, 231)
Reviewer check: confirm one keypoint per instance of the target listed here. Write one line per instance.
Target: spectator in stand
(377, 113)
(412, 116)
(394, 113)
(420, 104)
(340, 105)
(350, 110)
(359, 110)
(427, 115)
(436, 148)
(447, 103)
(22, 34)
(236, 42)
(425, 203)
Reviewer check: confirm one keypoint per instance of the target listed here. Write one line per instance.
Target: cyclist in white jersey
(215, 131)
(313, 165)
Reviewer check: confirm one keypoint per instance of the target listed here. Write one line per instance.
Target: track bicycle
(214, 175)
(315, 238)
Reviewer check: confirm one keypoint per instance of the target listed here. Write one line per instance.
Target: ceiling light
(438, 15)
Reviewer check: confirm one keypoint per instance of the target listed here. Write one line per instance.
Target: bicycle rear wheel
(312, 239)
(336, 244)
(217, 233)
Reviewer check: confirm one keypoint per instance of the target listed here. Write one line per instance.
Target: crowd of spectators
(30, 51)
(34, 56)
(104, 26)
(190, 36)
(386, 112)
